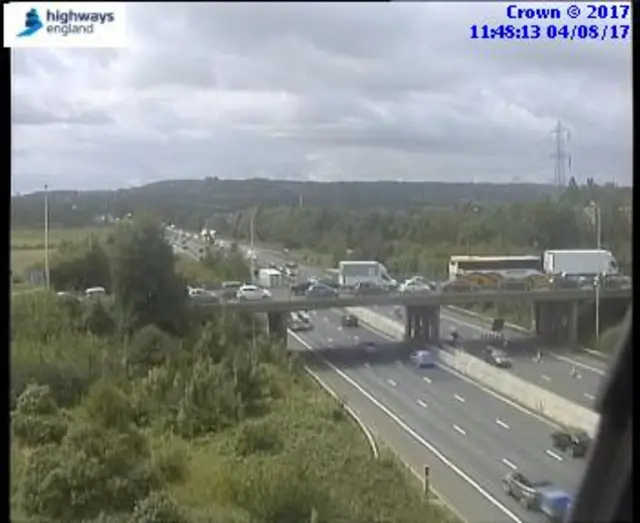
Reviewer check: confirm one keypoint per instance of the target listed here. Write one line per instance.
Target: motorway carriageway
(553, 373)
(484, 436)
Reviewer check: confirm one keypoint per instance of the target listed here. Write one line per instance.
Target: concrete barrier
(530, 396)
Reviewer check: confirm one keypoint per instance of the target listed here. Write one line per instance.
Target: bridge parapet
(283, 301)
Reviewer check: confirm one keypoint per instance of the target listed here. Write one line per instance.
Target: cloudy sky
(319, 92)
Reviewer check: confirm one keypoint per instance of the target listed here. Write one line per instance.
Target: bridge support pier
(277, 323)
(422, 323)
(556, 323)
(572, 327)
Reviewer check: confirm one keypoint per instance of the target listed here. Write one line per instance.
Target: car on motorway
(423, 358)
(252, 293)
(299, 323)
(349, 321)
(524, 490)
(369, 346)
(576, 443)
(316, 291)
(498, 358)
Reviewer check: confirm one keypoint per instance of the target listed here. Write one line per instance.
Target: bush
(158, 507)
(256, 437)
(33, 431)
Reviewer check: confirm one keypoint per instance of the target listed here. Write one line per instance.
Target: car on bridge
(417, 284)
(575, 442)
(317, 291)
(366, 288)
(349, 321)
(252, 293)
(230, 289)
(300, 288)
(423, 359)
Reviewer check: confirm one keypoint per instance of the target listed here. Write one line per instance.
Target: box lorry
(585, 262)
(352, 273)
(270, 278)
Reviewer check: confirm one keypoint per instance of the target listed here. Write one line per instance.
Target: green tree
(146, 287)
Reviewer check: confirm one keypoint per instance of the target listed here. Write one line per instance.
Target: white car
(416, 284)
(252, 293)
(423, 359)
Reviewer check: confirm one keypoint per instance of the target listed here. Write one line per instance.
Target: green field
(27, 245)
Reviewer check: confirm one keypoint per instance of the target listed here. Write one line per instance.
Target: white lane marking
(429, 446)
(367, 364)
(459, 398)
(509, 464)
(545, 377)
(329, 341)
(421, 403)
(502, 424)
(459, 430)
(484, 389)
(553, 455)
(578, 364)
(589, 396)
(356, 339)
(428, 380)
(325, 318)
(392, 383)
(340, 328)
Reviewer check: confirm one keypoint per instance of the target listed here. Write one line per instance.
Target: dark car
(230, 289)
(349, 321)
(575, 443)
(299, 289)
(368, 289)
(320, 292)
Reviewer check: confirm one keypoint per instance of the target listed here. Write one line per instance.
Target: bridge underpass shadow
(385, 355)
(520, 348)
(360, 355)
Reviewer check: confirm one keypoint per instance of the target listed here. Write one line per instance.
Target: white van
(94, 292)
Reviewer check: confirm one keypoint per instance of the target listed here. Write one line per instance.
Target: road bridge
(555, 311)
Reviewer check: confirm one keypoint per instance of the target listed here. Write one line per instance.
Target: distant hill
(194, 201)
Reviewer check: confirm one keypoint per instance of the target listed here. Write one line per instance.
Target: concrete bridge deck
(283, 301)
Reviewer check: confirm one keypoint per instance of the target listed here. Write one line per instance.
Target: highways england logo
(65, 24)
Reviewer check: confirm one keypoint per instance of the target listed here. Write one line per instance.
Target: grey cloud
(323, 90)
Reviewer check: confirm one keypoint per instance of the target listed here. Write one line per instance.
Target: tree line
(413, 241)
(194, 204)
(139, 407)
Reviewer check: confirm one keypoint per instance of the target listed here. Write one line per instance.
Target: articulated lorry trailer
(583, 262)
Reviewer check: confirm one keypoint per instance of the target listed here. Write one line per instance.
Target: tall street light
(46, 235)
(251, 247)
(598, 220)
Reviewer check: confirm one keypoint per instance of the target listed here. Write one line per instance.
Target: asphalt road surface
(553, 373)
(480, 433)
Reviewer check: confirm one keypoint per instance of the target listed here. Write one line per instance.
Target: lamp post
(251, 249)
(598, 220)
(46, 235)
